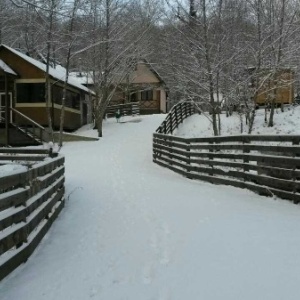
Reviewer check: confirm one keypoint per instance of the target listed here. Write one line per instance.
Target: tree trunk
(48, 99)
(68, 58)
(209, 70)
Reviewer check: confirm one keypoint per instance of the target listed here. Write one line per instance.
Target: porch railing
(29, 126)
(128, 109)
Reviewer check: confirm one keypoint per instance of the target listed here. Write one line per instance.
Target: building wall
(20, 66)
(38, 113)
(284, 90)
(143, 75)
(28, 73)
(163, 101)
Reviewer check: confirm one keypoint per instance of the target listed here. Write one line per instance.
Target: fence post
(181, 111)
(295, 142)
(188, 163)
(171, 123)
(154, 153)
(211, 151)
(246, 141)
(169, 143)
(165, 127)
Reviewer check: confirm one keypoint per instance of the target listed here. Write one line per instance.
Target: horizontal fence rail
(177, 114)
(128, 109)
(268, 165)
(31, 197)
(9, 155)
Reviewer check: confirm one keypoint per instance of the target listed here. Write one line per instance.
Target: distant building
(269, 85)
(143, 85)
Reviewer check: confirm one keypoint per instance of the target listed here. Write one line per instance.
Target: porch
(151, 100)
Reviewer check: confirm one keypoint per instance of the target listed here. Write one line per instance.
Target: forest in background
(203, 49)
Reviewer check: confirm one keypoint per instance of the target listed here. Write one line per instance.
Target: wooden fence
(128, 109)
(177, 114)
(30, 200)
(268, 165)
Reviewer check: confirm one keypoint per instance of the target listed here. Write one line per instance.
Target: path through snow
(133, 230)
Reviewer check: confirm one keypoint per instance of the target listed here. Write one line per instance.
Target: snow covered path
(133, 230)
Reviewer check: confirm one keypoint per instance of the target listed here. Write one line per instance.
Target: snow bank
(287, 122)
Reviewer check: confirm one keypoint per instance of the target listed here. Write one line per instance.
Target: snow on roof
(58, 72)
(6, 68)
(83, 77)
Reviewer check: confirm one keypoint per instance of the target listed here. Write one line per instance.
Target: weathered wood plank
(22, 157)
(15, 180)
(14, 198)
(287, 150)
(21, 254)
(24, 151)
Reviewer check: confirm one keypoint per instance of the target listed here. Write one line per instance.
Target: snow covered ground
(133, 230)
(287, 122)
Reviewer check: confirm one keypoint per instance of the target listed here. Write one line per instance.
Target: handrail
(132, 108)
(27, 119)
(123, 104)
(35, 126)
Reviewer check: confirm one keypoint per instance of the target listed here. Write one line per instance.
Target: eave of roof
(152, 69)
(4, 67)
(58, 73)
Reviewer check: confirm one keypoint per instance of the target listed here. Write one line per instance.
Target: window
(30, 92)
(72, 99)
(147, 95)
(57, 93)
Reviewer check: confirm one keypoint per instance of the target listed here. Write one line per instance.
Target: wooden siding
(20, 66)
(143, 75)
(39, 115)
(150, 106)
(284, 92)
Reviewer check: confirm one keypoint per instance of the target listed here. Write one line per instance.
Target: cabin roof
(58, 72)
(152, 69)
(4, 67)
(85, 78)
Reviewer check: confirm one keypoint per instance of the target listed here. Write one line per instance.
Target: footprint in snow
(148, 273)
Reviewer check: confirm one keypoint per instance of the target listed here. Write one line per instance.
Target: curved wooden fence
(177, 114)
(30, 200)
(268, 165)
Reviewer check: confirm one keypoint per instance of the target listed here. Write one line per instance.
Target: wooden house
(142, 85)
(23, 79)
(269, 85)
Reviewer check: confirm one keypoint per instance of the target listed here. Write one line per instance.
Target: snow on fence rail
(30, 200)
(268, 165)
(177, 114)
